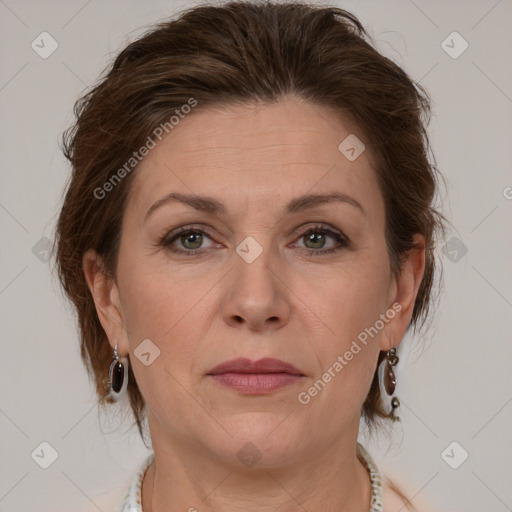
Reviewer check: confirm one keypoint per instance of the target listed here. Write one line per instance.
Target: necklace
(375, 481)
(132, 501)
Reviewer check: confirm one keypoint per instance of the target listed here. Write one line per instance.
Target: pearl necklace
(132, 501)
(375, 482)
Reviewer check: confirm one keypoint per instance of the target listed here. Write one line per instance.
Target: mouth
(256, 377)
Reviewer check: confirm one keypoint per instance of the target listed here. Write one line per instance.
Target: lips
(262, 366)
(255, 377)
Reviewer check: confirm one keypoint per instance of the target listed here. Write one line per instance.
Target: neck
(186, 477)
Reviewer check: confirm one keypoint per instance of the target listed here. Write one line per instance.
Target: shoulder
(394, 498)
(397, 499)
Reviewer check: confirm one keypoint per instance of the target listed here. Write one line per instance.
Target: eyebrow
(212, 206)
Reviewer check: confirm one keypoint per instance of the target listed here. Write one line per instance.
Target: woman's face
(276, 274)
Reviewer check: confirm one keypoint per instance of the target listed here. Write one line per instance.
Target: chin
(260, 441)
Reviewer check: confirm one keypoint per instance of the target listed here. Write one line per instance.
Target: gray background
(457, 388)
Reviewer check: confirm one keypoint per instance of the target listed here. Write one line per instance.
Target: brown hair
(242, 52)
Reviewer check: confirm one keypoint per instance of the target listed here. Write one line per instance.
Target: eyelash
(168, 239)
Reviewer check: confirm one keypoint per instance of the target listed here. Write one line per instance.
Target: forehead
(242, 151)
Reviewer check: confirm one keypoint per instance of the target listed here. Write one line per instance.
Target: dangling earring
(117, 376)
(387, 380)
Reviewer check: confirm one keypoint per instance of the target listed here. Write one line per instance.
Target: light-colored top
(132, 501)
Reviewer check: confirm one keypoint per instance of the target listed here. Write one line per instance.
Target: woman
(247, 236)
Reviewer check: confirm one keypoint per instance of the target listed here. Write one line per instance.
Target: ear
(106, 299)
(402, 297)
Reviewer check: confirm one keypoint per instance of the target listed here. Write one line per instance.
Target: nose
(257, 296)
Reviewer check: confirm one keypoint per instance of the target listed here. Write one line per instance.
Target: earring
(387, 380)
(117, 376)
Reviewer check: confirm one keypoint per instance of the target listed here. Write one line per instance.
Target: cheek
(149, 308)
(155, 297)
(170, 306)
(166, 311)
(351, 298)
(350, 303)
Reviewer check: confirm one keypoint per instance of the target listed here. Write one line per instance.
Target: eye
(317, 237)
(190, 239)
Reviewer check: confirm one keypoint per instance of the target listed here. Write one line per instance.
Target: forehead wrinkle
(245, 148)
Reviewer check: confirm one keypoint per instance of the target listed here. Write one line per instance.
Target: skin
(289, 304)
